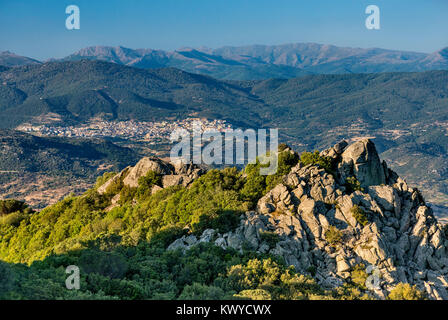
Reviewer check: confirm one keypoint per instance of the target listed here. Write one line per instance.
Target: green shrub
(286, 160)
(103, 179)
(333, 236)
(146, 183)
(359, 215)
(404, 291)
(445, 229)
(198, 291)
(10, 206)
(314, 158)
(312, 270)
(6, 280)
(221, 220)
(274, 278)
(127, 194)
(108, 264)
(352, 184)
(257, 185)
(270, 237)
(167, 235)
(349, 292)
(358, 276)
(14, 218)
(256, 294)
(115, 186)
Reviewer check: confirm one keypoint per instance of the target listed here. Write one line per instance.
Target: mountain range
(260, 61)
(9, 59)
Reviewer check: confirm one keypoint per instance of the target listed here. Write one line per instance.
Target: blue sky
(37, 28)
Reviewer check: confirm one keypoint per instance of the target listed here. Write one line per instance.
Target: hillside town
(133, 130)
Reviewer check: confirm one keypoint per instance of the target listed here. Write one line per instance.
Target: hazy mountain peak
(437, 60)
(443, 53)
(10, 59)
(182, 49)
(116, 54)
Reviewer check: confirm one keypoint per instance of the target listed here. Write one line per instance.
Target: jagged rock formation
(143, 167)
(361, 160)
(173, 174)
(115, 179)
(384, 223)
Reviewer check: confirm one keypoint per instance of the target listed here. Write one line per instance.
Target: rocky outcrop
(115, 179)
(182, 174)
(142, 168)
(386, 226)
(173, 174)
(362, 161)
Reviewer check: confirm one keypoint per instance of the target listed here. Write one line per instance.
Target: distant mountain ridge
(9, 59)
(257, 62)
(277, 61)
